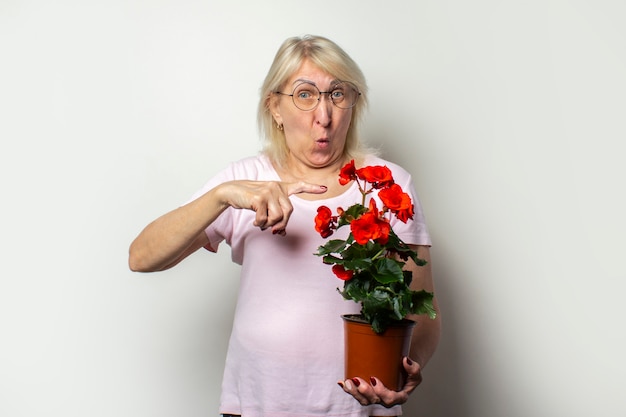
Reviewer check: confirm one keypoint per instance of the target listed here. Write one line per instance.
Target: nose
(323, 112)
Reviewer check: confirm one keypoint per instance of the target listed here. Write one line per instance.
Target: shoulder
(252, 168)
(256, 168)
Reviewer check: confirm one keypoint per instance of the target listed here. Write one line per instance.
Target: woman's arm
(175, 235)
(427, 332)
(172, 237)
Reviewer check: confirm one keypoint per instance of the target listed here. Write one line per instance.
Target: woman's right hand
(268, 199)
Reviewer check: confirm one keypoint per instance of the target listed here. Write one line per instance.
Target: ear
(274, 108)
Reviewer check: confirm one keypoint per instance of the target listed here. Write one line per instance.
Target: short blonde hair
(330, 58)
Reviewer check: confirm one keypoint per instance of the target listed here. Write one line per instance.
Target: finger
(284, 208)
(388, 397)
(260, 218)
(279, 211)
(305, 187)
(414, 374)
(352, 387)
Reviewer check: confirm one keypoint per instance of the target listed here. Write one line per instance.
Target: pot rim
(358, 318)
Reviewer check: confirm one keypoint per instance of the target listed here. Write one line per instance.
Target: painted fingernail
(356, 382)
(373, 381)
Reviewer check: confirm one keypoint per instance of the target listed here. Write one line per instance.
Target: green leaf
(377, 300)
(357, 264)
(398, 309)
(355, 289)
(378, 326)
(418, 261)
(404, 251)
(355, 251)
(408, 277)
(387, 270)
(353, 212)
(423, 303)
(332, 246)
(331, 259)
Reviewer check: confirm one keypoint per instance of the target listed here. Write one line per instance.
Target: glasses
(306, 96)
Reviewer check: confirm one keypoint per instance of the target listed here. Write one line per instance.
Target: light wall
(509, 114)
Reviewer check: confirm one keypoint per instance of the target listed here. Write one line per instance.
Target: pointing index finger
(305, 187)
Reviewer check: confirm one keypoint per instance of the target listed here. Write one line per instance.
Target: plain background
(509, 114)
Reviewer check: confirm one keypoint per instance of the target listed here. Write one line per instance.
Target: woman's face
(316, 137)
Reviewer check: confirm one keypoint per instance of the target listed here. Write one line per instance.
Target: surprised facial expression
(315, 137)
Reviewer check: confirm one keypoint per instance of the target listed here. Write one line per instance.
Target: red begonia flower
(397, 201)
(324, 221)
(370, 226)
(347, 173)
(378, 175)
(341, 272)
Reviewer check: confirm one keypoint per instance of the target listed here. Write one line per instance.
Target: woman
(285, 353)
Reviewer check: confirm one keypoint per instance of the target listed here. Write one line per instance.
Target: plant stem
(380, 252)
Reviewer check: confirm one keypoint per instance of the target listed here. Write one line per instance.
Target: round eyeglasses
(306, 96)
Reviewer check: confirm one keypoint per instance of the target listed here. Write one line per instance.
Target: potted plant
(371, 263)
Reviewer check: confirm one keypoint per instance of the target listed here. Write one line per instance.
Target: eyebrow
(304, 80)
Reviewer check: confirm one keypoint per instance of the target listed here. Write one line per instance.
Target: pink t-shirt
(285, 353)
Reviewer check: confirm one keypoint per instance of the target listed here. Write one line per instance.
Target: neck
(309, 173)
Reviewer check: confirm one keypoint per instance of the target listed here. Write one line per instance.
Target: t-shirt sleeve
(413, 232)
(221, 228)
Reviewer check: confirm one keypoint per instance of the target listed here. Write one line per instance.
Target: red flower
(342, 273)
(379, 176)
(370, 226)
(397, 201)
(347, 173)
(324, 222)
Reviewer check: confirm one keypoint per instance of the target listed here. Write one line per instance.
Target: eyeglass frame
(334, 85)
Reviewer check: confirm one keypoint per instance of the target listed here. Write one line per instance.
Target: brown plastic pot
(370, 354)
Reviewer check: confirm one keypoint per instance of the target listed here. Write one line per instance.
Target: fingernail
(409, 361)
(323, 187)
(340, 384)
(373, 381)
(356, 382)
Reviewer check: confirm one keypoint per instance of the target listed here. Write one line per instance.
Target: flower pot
(370, 354)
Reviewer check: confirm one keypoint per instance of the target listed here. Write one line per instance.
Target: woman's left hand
(374, 392)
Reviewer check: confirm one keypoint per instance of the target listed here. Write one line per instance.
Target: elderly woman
(285, 355)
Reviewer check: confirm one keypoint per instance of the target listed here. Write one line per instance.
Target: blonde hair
(329, 57)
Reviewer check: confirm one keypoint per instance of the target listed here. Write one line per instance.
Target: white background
(509, 114)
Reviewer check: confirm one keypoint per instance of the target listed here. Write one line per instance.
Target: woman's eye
(337, 93)
(305, 95)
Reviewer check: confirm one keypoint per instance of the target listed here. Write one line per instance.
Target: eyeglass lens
(306, 96)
